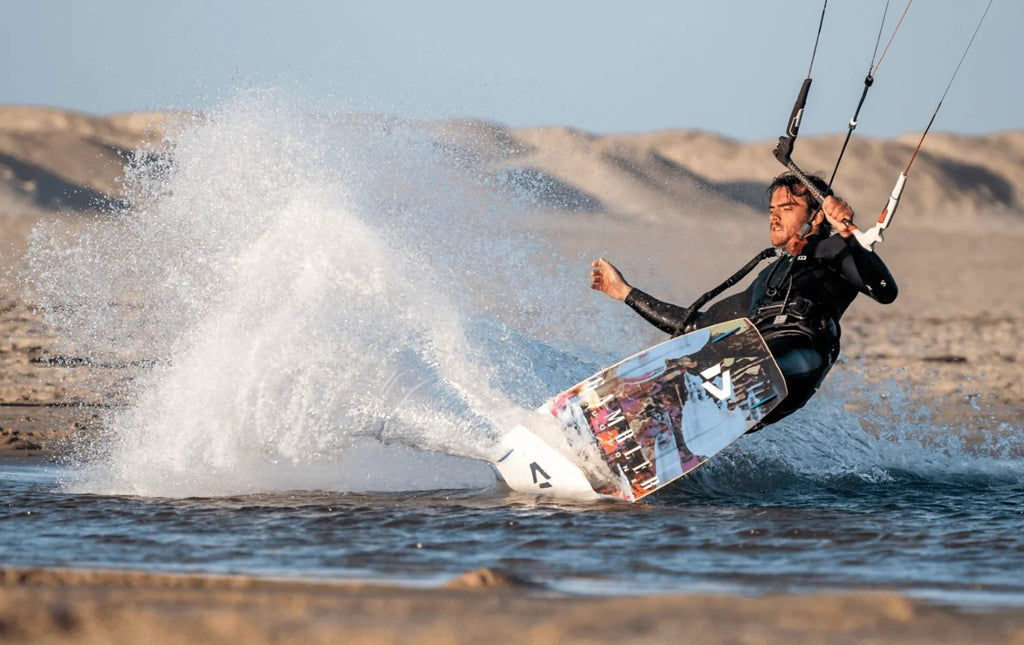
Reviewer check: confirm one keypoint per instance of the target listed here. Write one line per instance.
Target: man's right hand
(605, 277)
(839, 214)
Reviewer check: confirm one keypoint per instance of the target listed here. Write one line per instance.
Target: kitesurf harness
(784, 320)
(790, 321)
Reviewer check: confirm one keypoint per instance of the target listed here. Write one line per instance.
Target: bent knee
(796, 362)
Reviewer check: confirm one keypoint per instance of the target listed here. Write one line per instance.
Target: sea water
(325, 321)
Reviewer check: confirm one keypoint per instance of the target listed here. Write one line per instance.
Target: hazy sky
(731, 67)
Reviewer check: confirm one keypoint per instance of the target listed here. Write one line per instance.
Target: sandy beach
(953, 341)
(59, 606)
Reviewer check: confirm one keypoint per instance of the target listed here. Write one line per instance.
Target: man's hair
(792, 183)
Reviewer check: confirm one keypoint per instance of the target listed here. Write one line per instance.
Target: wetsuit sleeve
(864, 269)
(672, 319)
(667, 317)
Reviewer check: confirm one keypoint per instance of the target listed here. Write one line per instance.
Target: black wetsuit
(796, 303)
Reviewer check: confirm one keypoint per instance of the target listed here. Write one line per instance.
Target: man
(797, 301)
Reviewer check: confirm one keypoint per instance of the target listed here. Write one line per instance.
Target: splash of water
(302, 299)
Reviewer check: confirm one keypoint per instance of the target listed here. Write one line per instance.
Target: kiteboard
(653, 417)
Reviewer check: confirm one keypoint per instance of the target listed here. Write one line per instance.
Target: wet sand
(58, 606)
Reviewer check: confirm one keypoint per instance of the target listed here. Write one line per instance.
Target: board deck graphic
(659, 414)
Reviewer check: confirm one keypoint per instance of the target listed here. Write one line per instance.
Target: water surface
(725, 530)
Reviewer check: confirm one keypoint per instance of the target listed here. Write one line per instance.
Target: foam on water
(897, 442)
(304, 298)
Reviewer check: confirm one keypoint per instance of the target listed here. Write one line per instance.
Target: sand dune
(65, 160)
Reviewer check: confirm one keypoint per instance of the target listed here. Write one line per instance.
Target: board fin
(529, 465)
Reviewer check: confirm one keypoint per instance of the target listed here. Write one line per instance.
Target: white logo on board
(720, 393)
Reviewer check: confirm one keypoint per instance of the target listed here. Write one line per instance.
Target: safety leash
(869, 80)
(873, 236)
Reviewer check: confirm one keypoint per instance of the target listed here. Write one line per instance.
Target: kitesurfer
(796, 302)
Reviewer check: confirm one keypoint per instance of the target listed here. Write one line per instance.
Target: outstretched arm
(667, 317)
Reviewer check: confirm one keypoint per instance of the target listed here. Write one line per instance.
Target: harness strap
(730, 281)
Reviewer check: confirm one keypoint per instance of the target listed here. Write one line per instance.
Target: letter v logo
(720, 393)
(535, 470)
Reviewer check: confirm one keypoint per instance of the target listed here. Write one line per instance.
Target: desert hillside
(53, 159)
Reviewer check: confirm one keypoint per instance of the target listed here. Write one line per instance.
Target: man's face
(786, 215)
